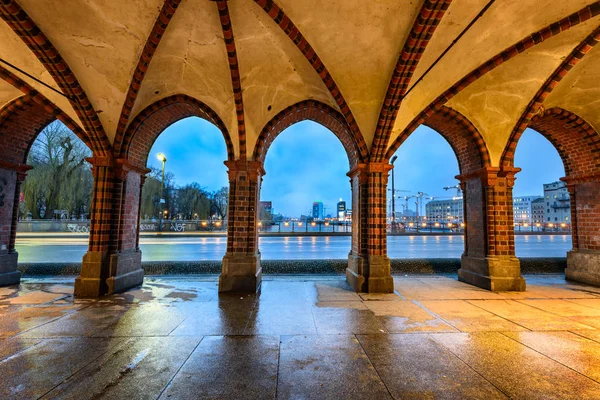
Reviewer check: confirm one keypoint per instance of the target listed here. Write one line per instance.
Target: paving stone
(529, 317)
(406, 316)
(415, 366)
(517, 370)
(574, 351)
(234, 367)
(137, 368)
(469, 318)
(327, 367)
(38, 369)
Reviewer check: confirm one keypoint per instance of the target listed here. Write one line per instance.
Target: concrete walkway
(301, 337)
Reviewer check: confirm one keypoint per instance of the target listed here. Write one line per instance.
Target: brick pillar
(489, 259)
(11, 177)
(241, 270)
(583, 261)
(113, 261)
(368, 264)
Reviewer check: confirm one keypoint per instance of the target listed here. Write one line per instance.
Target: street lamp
(392, 161)
(161, 157)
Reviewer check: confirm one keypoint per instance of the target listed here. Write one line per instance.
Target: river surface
(288, 248)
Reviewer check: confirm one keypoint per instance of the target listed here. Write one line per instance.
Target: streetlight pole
(161, 157)
(392, 160)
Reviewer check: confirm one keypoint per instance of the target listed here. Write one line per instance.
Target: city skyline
(425, 163)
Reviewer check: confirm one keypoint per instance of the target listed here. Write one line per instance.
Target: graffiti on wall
(147, 227)
(76, 228)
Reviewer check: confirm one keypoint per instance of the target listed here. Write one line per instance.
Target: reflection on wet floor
(309, 337)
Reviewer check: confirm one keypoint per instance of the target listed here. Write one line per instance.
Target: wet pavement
(35, 250)
(301, 338)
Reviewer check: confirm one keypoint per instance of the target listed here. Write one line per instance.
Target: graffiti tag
(177, 227)
(75, 228)
(147, 227)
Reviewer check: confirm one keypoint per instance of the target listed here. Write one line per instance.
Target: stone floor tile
(12, 346)
(380, 297)
(138, 368)
(215, 318)
(517, 370)
(529, 317)
(228, 367)
(275, 319)
(32, 373)
(346, 321)
(335, 291)
(27, 318)
(119, 320)
(574, 351)
(415, 366)
(576, 312)
(327, 367)
(469, 318)
(35, 297)
(406, 316)
(291, 292)
(356, 305)
(593, 303)
(592, 335)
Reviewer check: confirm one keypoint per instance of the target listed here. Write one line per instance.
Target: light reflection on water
(273, 248)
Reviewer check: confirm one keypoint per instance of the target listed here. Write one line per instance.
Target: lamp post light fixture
(162, 158)
(392, 161)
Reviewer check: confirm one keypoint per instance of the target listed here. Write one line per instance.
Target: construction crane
(420, 197)
(458, 190)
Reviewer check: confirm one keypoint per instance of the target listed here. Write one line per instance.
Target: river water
(278, 248)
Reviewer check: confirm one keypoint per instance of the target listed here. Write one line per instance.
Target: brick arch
(154, 119)
(314, 111)
(576, 141)
(21, 121)
(462, 136)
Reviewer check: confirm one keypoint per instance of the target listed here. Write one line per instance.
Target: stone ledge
(285, 267)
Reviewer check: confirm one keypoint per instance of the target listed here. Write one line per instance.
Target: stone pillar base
(583, 266)
(498, 274)
(354, 273)
(241, 273)
(125, 272)
(8, 269)
(90, 283)
(369, 277)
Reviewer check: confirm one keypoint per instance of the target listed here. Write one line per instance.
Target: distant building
(522, 212)
(341, 210)
(558, 203)
(444, 211)
(266, 211)
(317, 210)
(537, 211)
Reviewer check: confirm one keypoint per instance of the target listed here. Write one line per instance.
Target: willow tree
(61, 179)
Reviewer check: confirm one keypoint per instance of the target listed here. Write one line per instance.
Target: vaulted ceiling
(382, 64)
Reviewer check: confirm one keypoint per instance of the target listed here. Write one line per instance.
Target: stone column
(241, 270)
(113, 261)
(489, 259)
(368, 264)
(583, 261)
(11, 176)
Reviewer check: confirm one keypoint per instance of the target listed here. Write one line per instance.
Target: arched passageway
(578, 145)
(21, 122)
(305, 182)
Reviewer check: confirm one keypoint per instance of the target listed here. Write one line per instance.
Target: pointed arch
(464, 138)
(314, 111)
(154, 119)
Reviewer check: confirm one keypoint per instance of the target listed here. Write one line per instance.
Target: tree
(220, 202)
(193, 202)
(61, 179)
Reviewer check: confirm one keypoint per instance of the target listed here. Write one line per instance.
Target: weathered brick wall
(489, 212)
(585, 211)
(20, 123)
(8, 188)
(244, 194)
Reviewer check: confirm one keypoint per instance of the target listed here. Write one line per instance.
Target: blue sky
(307, 163)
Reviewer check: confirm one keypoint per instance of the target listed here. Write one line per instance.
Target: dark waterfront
(286, 248)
